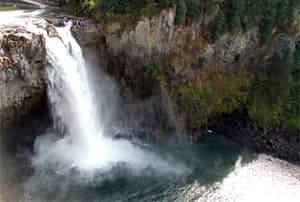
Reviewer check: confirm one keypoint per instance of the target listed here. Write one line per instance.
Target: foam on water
(264, 179)
(79, 142)
(75, 111)
(15, 17)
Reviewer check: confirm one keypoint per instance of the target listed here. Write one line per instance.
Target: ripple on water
(264, 179)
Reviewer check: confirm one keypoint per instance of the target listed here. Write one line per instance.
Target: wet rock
(51, 31)
(278, 142)
(124, 50)
(22, 62)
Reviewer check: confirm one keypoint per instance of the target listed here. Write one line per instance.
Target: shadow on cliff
(17, 139)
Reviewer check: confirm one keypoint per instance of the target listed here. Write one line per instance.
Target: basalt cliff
(22, 70)
(188, 84)
(181, 83)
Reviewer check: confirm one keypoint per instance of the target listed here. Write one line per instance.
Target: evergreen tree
(282, 7)
(193, 9)
(219, 25)
(269, 14)
(181, 12)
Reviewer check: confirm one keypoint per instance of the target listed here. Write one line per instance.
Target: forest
(230, 15)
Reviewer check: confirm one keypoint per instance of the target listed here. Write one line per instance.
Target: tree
(165, 3)
(282, 7)
(236, 13)
(193, 9)
(181, 12)
(269, 14)
(219, 25)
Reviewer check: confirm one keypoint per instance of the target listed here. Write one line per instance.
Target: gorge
(124, 110)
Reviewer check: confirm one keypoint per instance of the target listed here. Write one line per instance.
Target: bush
(202, 62)
(232, 15)
(193, 9)
(158, 72)
(275, 98)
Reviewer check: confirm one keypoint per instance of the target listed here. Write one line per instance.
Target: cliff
(191, 82)
(177, 82)
(22, 66)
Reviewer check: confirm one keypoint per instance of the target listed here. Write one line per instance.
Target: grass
(8, 8)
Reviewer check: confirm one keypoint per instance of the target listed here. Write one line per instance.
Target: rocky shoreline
(279, 142)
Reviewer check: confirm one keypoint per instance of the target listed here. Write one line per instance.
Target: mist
(86, 111)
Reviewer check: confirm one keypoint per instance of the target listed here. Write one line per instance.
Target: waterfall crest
(79, 118)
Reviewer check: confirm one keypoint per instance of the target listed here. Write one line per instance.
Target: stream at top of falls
(77, 160)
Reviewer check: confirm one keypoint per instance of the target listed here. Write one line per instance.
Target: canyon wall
(190, 82)
(176, 82)
(22, 69)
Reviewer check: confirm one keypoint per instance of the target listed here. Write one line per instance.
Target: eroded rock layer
(22, 64)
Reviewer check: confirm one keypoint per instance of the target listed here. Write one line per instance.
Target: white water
(15, 17)
(264, 179)
(72, 100)
(79, 116)
(35, 3)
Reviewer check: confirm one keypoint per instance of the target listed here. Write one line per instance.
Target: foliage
(219, 92)
(272, 99)
(194, 9)
(7, 8)
(180, 12)
(234, 15)
(202, 62)
(219, 25)
(158, 72)
(275, 98)
(268, 19)
(269, 99)
(231, 15)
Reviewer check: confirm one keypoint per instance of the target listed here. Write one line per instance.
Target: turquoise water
(206, 163)
(216, 169)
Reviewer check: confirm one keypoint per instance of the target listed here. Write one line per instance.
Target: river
(75, 159)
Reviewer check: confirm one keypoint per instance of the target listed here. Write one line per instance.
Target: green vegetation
(181, 12)
(269, 99)
(158, 72)
(275, 98)
(202, 62)
(235, 15)
(8, 8)
(231, 15)
(219, 25)
(220, 92)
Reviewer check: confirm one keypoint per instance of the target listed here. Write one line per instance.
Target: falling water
(220, 169)
(79, 118)
(71, 96)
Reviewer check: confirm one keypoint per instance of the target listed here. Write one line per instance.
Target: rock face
(124, 52)
(150, 39)
(279, 142)
(22, 62)
(159, 39)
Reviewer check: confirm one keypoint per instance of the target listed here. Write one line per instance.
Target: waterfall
(72, 105)
(80, 117)
(69, 90)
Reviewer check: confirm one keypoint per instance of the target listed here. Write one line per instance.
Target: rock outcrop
(126, 49)
(22, 62)
(160, 39)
